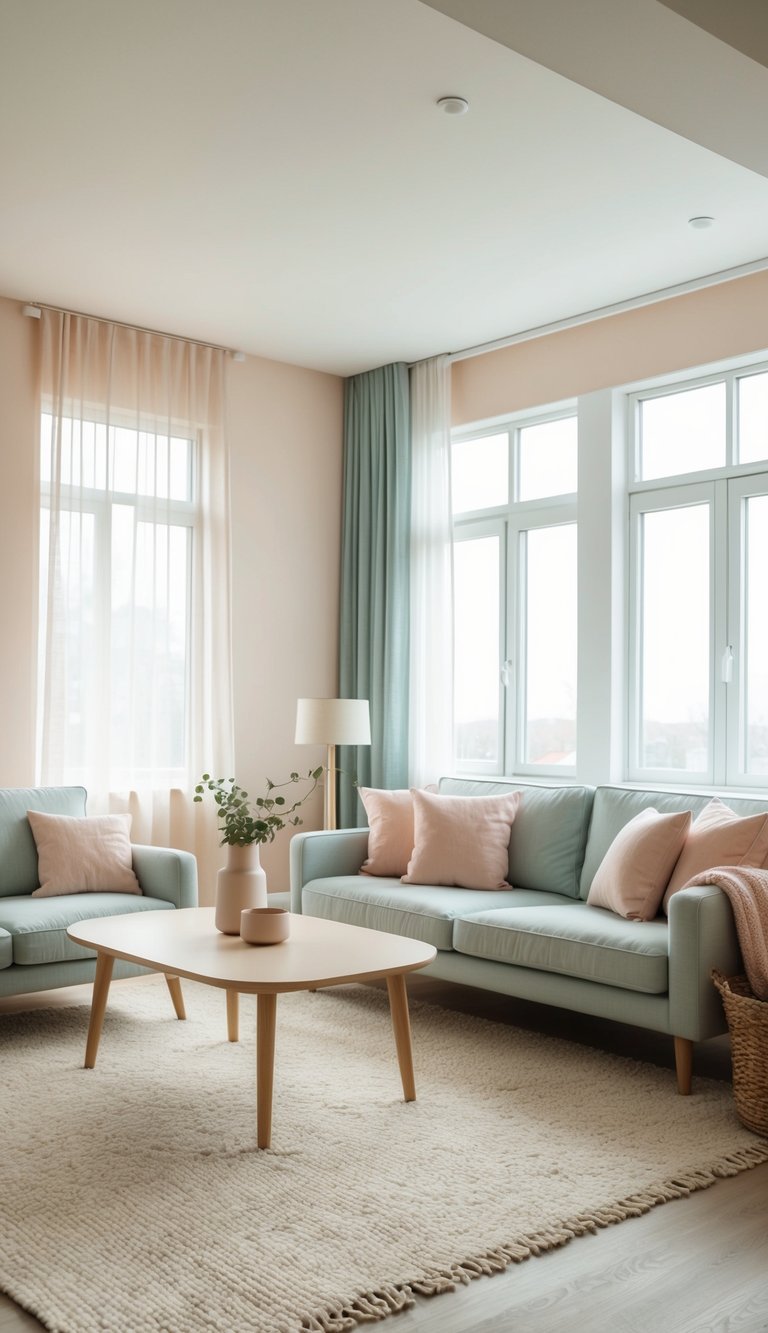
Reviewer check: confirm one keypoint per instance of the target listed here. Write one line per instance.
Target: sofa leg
(684, 1065)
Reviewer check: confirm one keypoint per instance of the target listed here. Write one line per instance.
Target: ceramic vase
(240, 883)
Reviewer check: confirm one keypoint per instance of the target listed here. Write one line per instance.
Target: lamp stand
(329, 801)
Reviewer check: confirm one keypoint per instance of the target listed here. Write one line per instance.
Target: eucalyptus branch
(244, 820)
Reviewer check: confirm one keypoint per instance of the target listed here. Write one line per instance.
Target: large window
(698, 686)
(122, 560)
(515, 595)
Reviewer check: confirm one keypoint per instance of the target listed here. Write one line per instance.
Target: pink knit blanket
(747, 889)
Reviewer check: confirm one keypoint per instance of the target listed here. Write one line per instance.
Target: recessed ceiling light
(453, 106)
(701, 223)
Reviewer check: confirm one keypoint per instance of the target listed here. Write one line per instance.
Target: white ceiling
(274, 175)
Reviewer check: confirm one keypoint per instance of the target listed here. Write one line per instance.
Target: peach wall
(727, 320)
(285, 434)
(18, 544)
(285, 427)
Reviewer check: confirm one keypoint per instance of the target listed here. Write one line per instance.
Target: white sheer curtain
(431, 679)
(135, 660)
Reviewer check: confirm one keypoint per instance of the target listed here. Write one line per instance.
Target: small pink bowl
(264, 925)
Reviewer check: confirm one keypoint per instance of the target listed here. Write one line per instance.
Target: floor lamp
(332, 722)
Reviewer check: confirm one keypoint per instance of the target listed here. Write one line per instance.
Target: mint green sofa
(35, 950)
(540, 940)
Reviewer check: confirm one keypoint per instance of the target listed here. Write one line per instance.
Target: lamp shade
(333, 722)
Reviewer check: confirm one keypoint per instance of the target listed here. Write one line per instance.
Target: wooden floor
(698, 1265)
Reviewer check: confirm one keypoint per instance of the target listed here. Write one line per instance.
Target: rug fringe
(373, 1306)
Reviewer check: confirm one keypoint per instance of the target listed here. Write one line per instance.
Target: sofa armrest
(164, 872)
(324, 853)
(702, 935)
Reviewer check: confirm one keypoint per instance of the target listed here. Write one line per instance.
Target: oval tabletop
(186, 943)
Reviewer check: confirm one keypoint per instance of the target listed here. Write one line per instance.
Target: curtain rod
(33, 308)
(602, 312)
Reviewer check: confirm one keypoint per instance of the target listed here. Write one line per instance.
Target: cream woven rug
(133, 1200)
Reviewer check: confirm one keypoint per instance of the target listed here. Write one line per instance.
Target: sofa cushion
(18, 854)
(461, 841)
(420, 911)
(613, 807)
(6, 949)
(719, 838)
(635, 871)
(574, 940)
(549, 834)
(390, 821)
(39, 925)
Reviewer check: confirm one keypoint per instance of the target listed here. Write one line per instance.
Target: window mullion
(665, 680)
(514, 636)
(731, 421)
(635, 602)
(514, 464)
(720, 633)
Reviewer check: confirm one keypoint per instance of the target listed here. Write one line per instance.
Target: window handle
(726, 666)
(506, 672)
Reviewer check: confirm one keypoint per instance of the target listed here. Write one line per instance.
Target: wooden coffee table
(185, 943)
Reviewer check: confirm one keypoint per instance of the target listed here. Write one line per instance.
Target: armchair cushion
(39, 929)
(83, 855)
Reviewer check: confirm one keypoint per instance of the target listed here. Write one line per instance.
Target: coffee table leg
(266, 1014)
(104, 964)
(174, 986)
(233, 1015)
(398, 1004)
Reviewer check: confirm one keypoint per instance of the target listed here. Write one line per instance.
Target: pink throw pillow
(634, 872)
(390, 837)
(83, 855)
(719, 837)
(461, 841)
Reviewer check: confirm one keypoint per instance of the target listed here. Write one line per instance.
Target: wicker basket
(748, 1025)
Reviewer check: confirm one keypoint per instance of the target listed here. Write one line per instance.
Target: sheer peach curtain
(135, 658)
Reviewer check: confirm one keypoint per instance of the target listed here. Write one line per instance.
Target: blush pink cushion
(634, 872)
(461, 841)
(83, 855)
(390, 840)
(719, 837)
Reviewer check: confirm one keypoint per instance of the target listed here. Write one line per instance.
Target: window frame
(729, 485)
(682, 384)
(740, 490)
(472, 530)
(512, 519)
(519, 525)
(657, 501)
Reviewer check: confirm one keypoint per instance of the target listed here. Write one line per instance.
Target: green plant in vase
(244, 820)
(245, 823)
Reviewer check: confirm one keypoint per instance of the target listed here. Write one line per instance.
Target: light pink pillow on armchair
(719, 837)
(390, 837)
(90, 855)
(634, 872)
(461, 841)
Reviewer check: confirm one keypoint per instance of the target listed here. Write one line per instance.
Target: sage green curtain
(375, 579)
